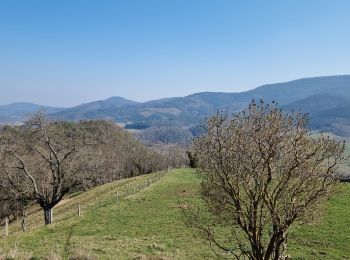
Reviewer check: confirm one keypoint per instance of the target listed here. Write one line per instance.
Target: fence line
(134, 189)
(130, 188)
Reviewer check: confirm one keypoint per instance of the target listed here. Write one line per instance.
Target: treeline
(43, 161)
(170, 134)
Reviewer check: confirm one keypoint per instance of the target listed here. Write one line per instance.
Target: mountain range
(17, 112)
(326, 99)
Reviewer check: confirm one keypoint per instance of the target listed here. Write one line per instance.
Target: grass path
(149, 225)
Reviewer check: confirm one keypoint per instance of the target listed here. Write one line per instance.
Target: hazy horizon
(64, 53)
(142, 101)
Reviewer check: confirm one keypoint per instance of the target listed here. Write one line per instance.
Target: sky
(66, 52)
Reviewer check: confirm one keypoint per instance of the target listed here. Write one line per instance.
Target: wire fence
(75, 205)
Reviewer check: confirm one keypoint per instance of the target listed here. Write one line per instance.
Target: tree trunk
(257, 251)
(284, 247)
(48, 215)
(271, 247)
(280, 246)
(257, 255)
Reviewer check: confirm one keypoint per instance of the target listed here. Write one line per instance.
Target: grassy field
(150, 225)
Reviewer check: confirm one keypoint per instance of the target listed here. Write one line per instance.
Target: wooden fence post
(24, 223)
(51, 216)
(79, 210)
(6, 227)
(117, 196)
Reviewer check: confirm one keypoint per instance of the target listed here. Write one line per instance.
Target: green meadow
(150, 225)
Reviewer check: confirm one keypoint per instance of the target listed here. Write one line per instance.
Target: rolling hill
(327, 99)
(317, 104)
(17, 112)
(318, 96)
(151, 225)
(327, 112)
(102, 109)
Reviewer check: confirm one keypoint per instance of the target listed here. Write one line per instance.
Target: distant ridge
(19, 111)
(326, 98)
(93, 110)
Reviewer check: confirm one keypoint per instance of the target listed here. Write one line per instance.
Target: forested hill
(176, 119)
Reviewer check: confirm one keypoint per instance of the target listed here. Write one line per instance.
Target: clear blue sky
(65, 52)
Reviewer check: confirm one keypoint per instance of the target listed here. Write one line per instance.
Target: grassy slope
(150, 225)
(330, 238)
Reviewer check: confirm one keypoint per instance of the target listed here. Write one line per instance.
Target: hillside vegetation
(327, 99)
(172, 120)
(150, 225)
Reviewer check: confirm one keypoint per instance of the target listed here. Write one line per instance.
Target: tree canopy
(263, 170)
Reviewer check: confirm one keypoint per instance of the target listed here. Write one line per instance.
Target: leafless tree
(145, 160)
(11, 206)
(263, 170)
(41, 161)
(118, 155)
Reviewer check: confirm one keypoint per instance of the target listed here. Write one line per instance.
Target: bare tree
(263, 171)
(42, 161)
(11, 205)
(145, 160)
(111, 158)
